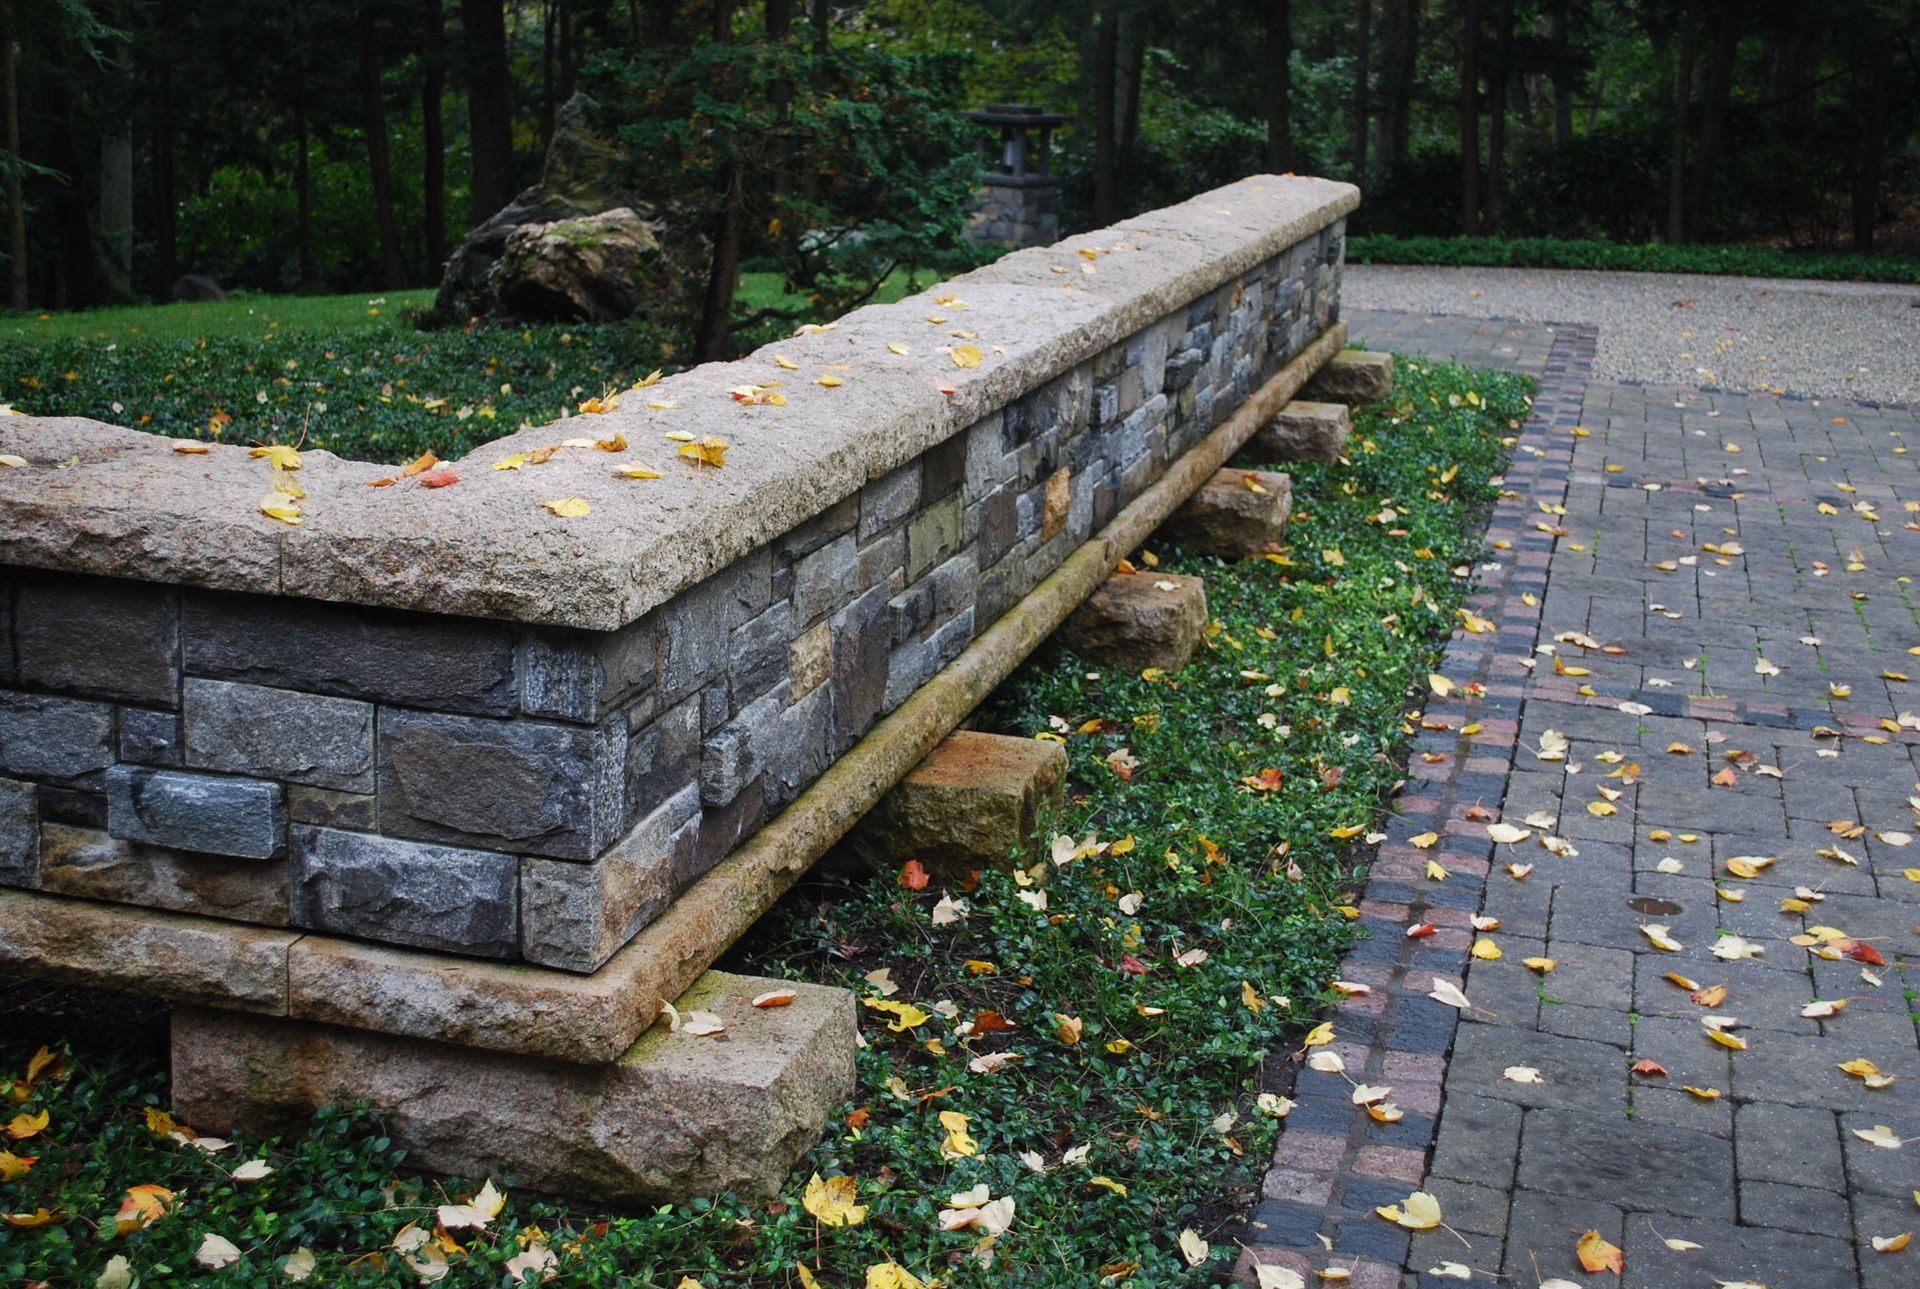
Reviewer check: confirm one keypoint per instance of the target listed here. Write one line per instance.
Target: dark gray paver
(1821, 503)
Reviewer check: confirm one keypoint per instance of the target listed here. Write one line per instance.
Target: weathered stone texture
(1140, 620)
(89, 863)
(510, 785)
(1303, 431)
(1235, 514)
(63, 739)
(99, 638)
(1354, 376)
(19, 833)
(976, 801)
(165, 955)
(675, 1116)
(279, 734)
(433, 897)
(244, 818)
(151, 738)
(576, 916)
(444, 664)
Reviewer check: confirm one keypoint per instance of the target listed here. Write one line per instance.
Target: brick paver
(1726, 582)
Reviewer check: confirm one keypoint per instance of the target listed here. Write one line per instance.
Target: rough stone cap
(128, 505)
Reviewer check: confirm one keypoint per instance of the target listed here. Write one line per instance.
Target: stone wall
(536, 773)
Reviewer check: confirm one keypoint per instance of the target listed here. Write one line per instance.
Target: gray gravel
(1859, 341)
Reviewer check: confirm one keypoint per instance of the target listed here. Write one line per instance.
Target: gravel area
(1859, 341)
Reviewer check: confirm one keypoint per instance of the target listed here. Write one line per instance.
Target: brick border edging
(1334, 1164)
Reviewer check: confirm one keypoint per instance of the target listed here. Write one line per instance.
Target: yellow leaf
(891, 1275)
(1435, 872)
(1067, 1028)
(1319, 1036)
(1419, 1211)
(958, 1145)
(278, 505)
(13, 462)
(639, 471)
(1892, 1243)
(514, 462)
(1725, 1039)
(711, 450)
(23, 1125)
(279, 455)
(13, 1167)
(569, 508)
(897, 347)
(1486, 950)
(1596, 1254)
(1424, 840)
(1107, 1183)
(1541, 965)
(1601, 809)
(832, 1201)
(618, 443)
(830, 381)
(781, 360)
(966, 355)
(909, 1015)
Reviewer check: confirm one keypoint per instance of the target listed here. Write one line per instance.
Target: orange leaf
(913, 875)
(988, 1021)
(1596, 1254)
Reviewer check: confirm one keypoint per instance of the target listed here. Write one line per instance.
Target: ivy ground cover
(1061, 1074)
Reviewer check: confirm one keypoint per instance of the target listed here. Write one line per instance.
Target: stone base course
(977, 801)
(675, 1115)
(1235, 514)
(1304, 431)
(1141, 620)
(1354, 376)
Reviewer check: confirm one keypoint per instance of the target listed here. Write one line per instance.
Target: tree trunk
(546, 71)
(302, 188)
(1470, 117)
(822, 18)
(1133, 68)
(1499, 79)
(433, 138)
(716, 311)
(1362, 99)
(1562, 73)
(1276, 59)
(489, 109)
(569, 53)
(16, 191)
(1398, 46)
(1682, 109)
(1873, 147)
(1106, 72)
(166, 235)
(393, 273)
(116, 184)
(1713, 115)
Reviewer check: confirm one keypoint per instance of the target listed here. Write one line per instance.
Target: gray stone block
(889, 499)
(805, 747)
(54, 738)
(245, 818)
(279, 734)
(824, 580)
(150, 738)
(19, 833)
(382, 888)
(932, 536)
(759, 653)
(524, 786)
(988, 465)
(576, 916)
(87, 863)
(439, 663)
(583, 675)
(100, 637)
(359, 811)
(861, 634)
(737, 753)
(663, 756)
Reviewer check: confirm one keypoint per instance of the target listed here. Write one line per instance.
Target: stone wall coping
(96, 498)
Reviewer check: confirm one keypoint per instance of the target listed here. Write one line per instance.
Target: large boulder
(572, 246)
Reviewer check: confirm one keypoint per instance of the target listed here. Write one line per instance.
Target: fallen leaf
(1596, 1254)
(569, 508)
(832, 1201)
(216, 1252)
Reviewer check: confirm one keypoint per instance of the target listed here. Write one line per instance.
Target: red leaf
(913, 875)
(439, 479)
(1866, 953)
(1652, 1069)
(1420, 930)
(988, 1021)
(1133, 966)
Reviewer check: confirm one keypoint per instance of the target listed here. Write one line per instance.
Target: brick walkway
(1706, 739)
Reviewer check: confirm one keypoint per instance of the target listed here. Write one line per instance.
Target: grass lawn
(1135, 976)
(346, 373)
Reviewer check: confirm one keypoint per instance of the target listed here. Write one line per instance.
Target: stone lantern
(1019, 196)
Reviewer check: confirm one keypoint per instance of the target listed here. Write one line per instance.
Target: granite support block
(672, 1118)
(976, 801)
(1237, 513)
(1135, 621)
(1303, 431)
(1354, 376)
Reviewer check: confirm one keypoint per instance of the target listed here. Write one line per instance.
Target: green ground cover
(348, 374)
(1139, 981)
(1567, 253)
